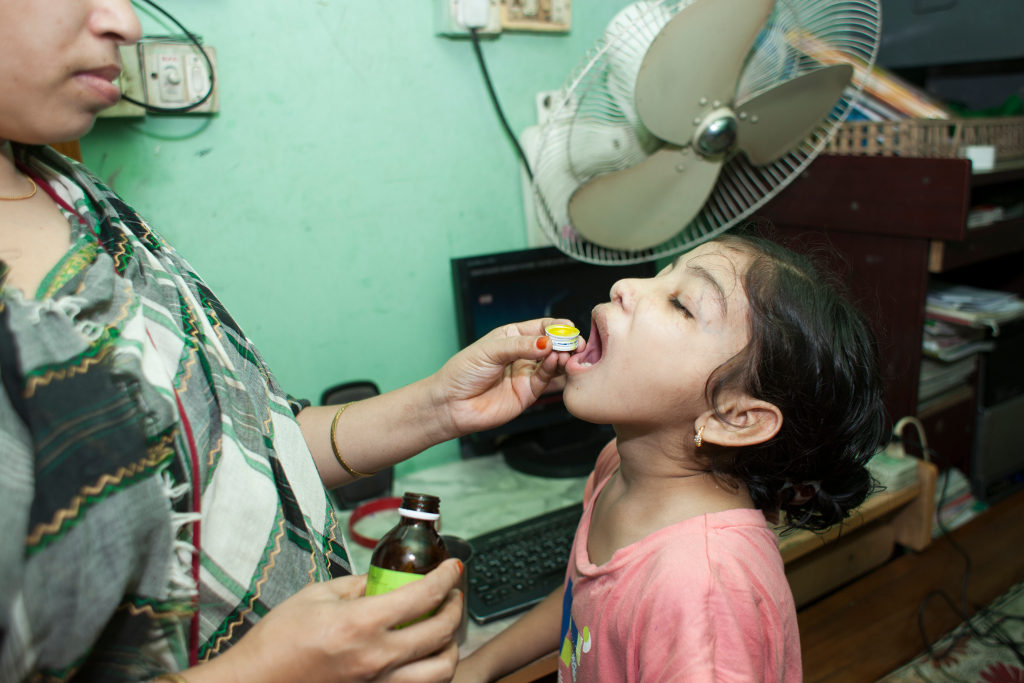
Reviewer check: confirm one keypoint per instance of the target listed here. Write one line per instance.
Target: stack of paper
(972, 306)
(937, 377)
(948, 342)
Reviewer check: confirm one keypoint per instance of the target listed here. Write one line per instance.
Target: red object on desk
(365, 510)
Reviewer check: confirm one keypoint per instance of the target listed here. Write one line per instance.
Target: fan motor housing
(716, 133)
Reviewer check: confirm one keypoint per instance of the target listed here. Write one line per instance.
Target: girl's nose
(623, 292)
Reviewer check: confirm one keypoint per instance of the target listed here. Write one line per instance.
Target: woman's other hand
(330, 631)
(497, 377)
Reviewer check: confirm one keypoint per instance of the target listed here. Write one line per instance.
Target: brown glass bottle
(411, 549)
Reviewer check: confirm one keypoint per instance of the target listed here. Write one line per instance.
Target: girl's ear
(747, 421)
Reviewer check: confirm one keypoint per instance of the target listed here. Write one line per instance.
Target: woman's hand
(494, 379)
(331, 632)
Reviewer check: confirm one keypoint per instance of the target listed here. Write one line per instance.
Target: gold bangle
(173, 678)
(334, 444)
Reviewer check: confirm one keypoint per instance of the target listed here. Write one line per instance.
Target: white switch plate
(175, 74)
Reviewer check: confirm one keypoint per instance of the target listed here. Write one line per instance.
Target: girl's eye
(678, 304)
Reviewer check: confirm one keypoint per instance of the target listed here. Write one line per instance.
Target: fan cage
(593, 129)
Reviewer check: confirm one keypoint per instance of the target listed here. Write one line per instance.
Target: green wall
(354, 154)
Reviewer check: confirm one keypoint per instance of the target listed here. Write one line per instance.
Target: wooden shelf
(981, 244)
(1004, 172)
(870, 627)
(542, 669)
(946, 400)
(891, 196)
(799, 543)
(817, 564)
(1003, 184)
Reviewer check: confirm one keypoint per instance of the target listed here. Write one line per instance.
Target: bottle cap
(419, 514)
(563, 337)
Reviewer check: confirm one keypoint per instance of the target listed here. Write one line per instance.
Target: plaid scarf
(122, 377)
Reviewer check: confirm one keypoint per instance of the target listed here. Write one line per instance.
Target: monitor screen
(495, 289)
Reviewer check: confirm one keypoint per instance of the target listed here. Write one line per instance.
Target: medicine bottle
(411, 549)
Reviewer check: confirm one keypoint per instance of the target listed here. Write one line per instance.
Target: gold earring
(698, 438)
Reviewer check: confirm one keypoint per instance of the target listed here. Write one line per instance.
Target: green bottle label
(384, 580)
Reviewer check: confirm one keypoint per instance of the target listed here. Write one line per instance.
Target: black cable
(494, 99)
(994, 635)
(209, 68)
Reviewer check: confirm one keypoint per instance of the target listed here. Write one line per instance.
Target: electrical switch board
(176, 74)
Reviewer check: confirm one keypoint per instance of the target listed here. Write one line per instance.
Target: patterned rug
(989, 648)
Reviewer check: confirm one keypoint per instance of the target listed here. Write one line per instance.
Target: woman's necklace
(31, 193)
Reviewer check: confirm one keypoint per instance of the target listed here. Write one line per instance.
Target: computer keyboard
(517, 566)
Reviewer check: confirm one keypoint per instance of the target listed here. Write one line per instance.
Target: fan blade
(774, 121)
(694, 63)
(646, 204)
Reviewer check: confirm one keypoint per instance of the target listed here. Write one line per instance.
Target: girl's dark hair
(813, 355)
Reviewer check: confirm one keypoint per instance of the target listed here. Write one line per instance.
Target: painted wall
(354, 154)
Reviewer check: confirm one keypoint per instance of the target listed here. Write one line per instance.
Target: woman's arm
(485, 385)
(533, 636)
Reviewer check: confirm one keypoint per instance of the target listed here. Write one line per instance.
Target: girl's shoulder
(701, 543)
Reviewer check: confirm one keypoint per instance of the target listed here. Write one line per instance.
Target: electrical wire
(494, 99)
(209, 68)
(994, 634)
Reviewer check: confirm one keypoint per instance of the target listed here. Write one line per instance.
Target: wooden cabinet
(872, 220)
(989, 245)
(983, 440)
(886, 226)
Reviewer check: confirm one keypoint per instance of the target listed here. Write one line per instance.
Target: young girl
(740, 386)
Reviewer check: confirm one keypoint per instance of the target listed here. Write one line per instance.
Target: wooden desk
(870, 627)
(819, 563)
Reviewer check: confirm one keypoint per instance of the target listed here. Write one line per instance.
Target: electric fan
(689, 115)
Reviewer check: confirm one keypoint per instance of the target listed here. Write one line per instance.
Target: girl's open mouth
(594, 351)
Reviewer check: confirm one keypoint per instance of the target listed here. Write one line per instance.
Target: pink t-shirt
(705, 599)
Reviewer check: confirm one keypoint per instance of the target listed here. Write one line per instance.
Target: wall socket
(449, 19)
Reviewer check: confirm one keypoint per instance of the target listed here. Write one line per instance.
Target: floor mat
(986, 649)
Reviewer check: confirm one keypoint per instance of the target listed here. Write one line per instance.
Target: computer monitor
(495, 289)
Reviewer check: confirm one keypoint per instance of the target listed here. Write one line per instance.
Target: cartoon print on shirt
(575, 643)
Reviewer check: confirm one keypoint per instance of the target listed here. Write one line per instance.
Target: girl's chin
(582, 407)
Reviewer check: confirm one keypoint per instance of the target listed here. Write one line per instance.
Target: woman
(164, 499)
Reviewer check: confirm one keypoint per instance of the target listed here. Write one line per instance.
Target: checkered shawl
(96, 486)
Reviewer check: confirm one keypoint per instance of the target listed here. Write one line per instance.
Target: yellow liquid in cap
(562, 331)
